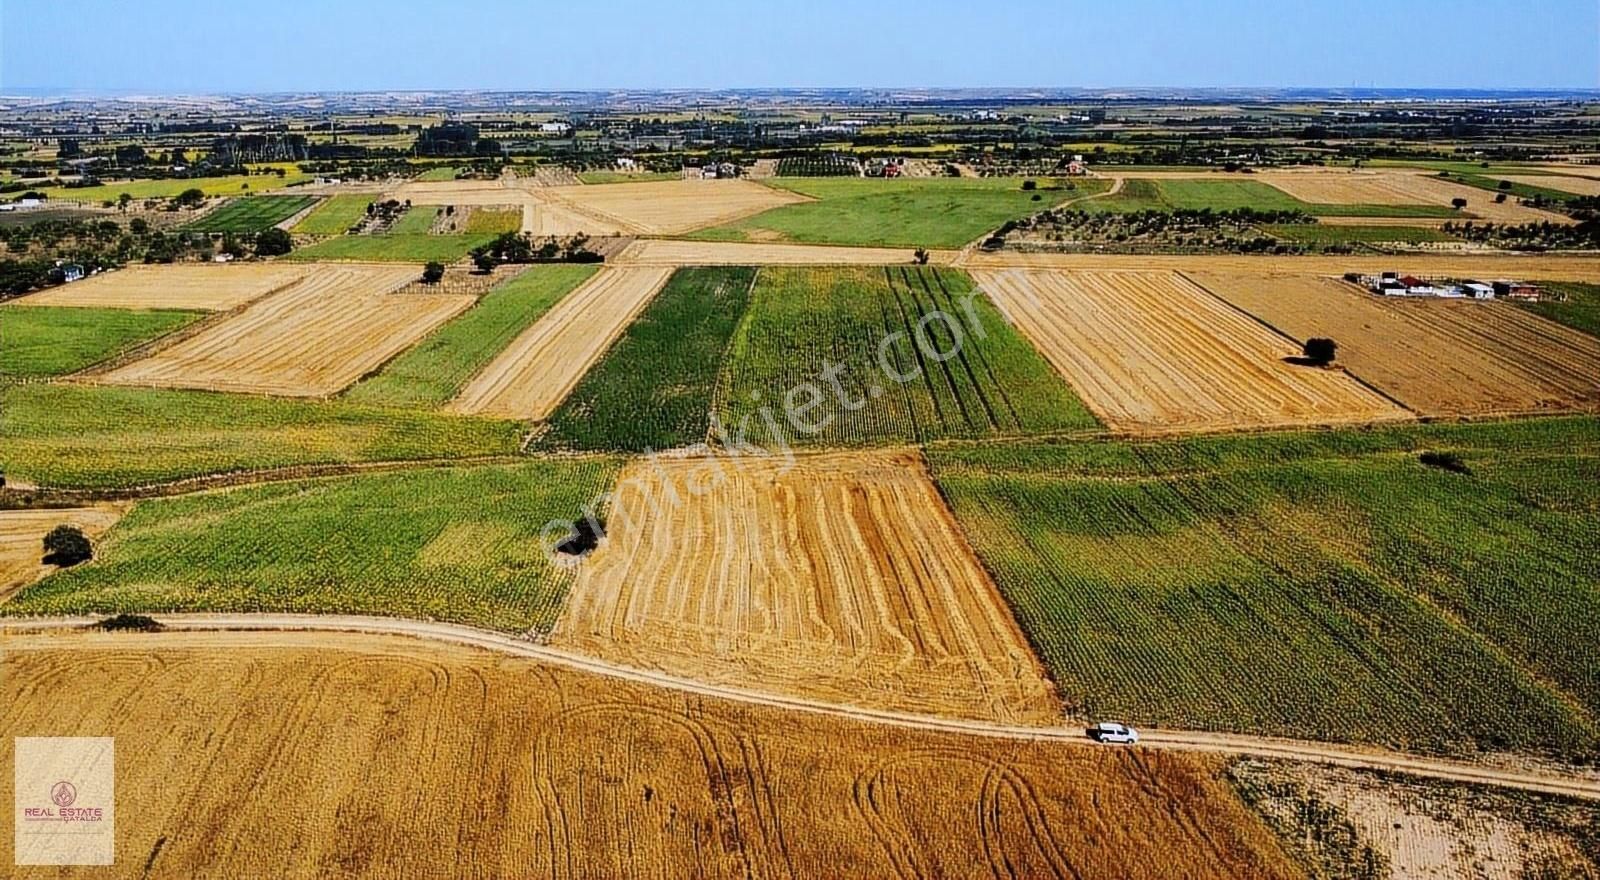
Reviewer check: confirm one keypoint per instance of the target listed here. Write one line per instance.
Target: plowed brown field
(1151, 352)
(201, 286)
(1541, 268)
(22, 539)
(311, 340)
(301, 755)
(841, 577)
(541, 367)
(1437, 357)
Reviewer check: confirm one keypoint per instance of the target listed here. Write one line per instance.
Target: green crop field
(456, 544)
(393, 248)
(443, 172)
(251, 214)
(653, 389)
(1578, 308)
(103, 437)
(803, 321)
(38, 341)
(336, 215)
(1328, 234)
(417, 220)
(433, 371)
(927, 212)
(1327, 586)
(1229, 195)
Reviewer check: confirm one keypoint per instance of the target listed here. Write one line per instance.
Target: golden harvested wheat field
(460, 192)
(200, 286)
(22, 539)
(1153, 352)
(311, 340)
(1401, 188)
(836, 576)
(368, 756)
(670, 207)
(541, 367)
(665, 207)
(1437, 357)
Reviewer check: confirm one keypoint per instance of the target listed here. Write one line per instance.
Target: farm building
(1518, 290)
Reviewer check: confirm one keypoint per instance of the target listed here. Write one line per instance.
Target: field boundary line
(1576, 786)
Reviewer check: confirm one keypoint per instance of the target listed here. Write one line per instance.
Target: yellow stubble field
(367, 756)
(840, 577)
(310, 340)
(211, 287)
(1152, 352)
(541, 366)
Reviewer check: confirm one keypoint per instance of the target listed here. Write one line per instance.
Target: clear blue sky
(221, 46)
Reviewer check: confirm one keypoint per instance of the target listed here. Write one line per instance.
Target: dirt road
(1567, 784)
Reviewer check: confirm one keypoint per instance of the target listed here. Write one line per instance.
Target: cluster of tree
(1543, 236)
(454, 139)
(518, 248)
(236, 150)
(39, 253)
(1182, 219)
(1234, 231)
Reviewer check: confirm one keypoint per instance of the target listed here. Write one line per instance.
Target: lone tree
(273, 242)
(921, 256)
(1458, 203)
(433, 272)
(66, 546)
(190, 198)
(1321, 351)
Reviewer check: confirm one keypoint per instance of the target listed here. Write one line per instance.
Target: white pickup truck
(1111, 732)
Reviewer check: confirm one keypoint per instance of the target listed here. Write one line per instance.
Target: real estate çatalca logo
(63, 795)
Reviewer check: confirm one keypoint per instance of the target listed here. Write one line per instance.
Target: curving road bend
(1573, 785)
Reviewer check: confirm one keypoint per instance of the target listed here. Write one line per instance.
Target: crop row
(457, 544)
(1333, 595)
(252, 214)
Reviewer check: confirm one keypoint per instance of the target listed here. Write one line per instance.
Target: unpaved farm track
(1585, 786)
(1541, 268)
(311, 340)
(541, 367)
(656, 252)
(313, 755)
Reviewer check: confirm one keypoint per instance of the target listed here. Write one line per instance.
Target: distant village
(1396, 284)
